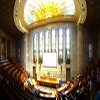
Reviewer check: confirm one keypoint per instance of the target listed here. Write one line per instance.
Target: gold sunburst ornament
(37, 10)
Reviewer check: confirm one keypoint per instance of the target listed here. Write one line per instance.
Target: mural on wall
(3, 48)
(8, 49)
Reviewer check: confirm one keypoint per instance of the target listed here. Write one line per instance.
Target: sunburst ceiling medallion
(39, 10)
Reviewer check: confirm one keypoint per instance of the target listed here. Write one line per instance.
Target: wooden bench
(5, 93)
(14, 73)
(47, 96)
(4, 64)
(62, 88)
(10, 70)
(14, 60)
(7, 67)
(75, 85)
(12, 91)
(3, 61)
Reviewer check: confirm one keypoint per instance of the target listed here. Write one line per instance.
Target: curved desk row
(48, 80)
(47, 95)
(67, 89)
(75, 84)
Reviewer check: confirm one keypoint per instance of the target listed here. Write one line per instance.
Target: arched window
(34, 48)
(60, 46)
(90, 50)
(53, 40)
(40, 46)
(67, 51)
(46, 41)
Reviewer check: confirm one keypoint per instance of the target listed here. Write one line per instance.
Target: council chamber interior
(56, 50)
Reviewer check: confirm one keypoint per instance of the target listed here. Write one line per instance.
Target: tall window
(90, 50)
(60, 46)
(40, 47)
(34, 48)
(46, 41)
(53, 40)
(67, 51)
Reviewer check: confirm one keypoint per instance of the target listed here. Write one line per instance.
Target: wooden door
(67, 74)
(34, 71)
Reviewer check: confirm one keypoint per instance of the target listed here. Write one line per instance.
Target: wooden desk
(47, 95)
(75, 84)
(4, 64)
(48, 80)
(45, 91)
(61, 89)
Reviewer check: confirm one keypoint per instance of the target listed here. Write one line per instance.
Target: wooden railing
(14, 74)
(18, 72)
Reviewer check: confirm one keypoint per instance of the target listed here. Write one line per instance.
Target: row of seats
(12, 75)
(71, 93)
(11, 81)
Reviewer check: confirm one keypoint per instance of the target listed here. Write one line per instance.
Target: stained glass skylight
(39, 10)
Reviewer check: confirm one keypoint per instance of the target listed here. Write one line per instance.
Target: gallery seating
(13, 75)
(5, 93)
(16, 75)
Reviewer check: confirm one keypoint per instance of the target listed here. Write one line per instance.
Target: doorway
(67, 74)
(34, 71)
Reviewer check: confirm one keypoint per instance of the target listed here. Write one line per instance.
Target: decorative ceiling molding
(41, 10)
(17, 19)
(79, 17)
(83, 11)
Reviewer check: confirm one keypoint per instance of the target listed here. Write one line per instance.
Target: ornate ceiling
(93, 13)
(6, 18)
(7, 21)
(38, 10)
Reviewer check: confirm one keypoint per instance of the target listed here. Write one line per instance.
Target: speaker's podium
(48, 80)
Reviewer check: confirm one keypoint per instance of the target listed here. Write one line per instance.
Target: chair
(60, 82)
(54, 76)
(73, 78)
(48, 73)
